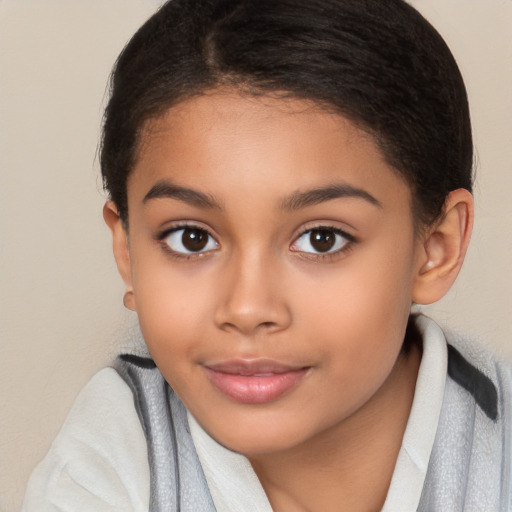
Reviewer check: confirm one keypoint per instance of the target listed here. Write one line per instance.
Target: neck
(352, 463)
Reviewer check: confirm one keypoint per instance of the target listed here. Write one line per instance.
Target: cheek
(370, 284)
(361, 308)
(173, 306)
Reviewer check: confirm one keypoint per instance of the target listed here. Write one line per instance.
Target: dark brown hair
(377, 62)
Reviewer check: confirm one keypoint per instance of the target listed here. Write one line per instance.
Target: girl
(286, 179)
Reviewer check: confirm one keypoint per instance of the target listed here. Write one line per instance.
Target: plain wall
(61, 314)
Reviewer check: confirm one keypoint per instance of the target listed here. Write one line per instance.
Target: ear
(121, 250)
(443, 249)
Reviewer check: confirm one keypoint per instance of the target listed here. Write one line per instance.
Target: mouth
(254, 381)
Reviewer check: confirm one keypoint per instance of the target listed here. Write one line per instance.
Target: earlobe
(444, 248)
(121, 250)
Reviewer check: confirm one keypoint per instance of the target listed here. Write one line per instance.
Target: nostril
(268, 327)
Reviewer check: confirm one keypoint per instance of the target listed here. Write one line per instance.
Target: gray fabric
(469, 468)
(177, 480)
(470, 464)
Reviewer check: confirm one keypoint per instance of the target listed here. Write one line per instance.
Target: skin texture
(260, 291)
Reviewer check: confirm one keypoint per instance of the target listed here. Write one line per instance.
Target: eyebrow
(296, 201)
(319, 195)
(165, 189)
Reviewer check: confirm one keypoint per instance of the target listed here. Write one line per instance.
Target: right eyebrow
(166, 189)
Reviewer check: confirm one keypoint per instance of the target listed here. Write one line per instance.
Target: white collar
(411, 466)
(233, 483)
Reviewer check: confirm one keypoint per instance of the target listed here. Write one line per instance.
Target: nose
(252, 298)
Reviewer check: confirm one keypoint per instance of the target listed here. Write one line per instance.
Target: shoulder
(473, 441)
(99, 459)
(481, 373)
(473, 371)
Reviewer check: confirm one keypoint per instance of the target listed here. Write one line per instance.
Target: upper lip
(248, 367)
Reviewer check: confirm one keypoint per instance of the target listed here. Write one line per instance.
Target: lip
(254, 381)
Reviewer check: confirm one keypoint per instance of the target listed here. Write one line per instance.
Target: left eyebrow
(319, 195)
(165, 189)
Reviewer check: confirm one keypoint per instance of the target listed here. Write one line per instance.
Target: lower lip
(250, 389)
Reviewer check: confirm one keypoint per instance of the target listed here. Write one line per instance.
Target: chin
(259, 439)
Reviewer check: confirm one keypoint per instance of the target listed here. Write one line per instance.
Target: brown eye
(194, 239)
(322, 240)
(189, 240)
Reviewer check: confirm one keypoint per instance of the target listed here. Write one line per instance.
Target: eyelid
(182, 224)
(324, 225)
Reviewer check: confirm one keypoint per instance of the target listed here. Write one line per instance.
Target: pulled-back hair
(379, 63)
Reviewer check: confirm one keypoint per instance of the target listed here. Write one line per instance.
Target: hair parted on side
(377, 62)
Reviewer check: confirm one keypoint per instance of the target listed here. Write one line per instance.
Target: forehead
(227, 142)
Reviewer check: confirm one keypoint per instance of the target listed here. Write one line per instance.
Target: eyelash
(350, 240)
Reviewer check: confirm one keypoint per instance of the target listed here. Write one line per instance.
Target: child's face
(271, 324)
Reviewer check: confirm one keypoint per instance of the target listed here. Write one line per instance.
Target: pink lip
(254, 381)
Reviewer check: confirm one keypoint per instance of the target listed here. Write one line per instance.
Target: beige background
(60, 298)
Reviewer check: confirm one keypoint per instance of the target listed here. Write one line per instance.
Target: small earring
(126, 298)
(429, 265)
